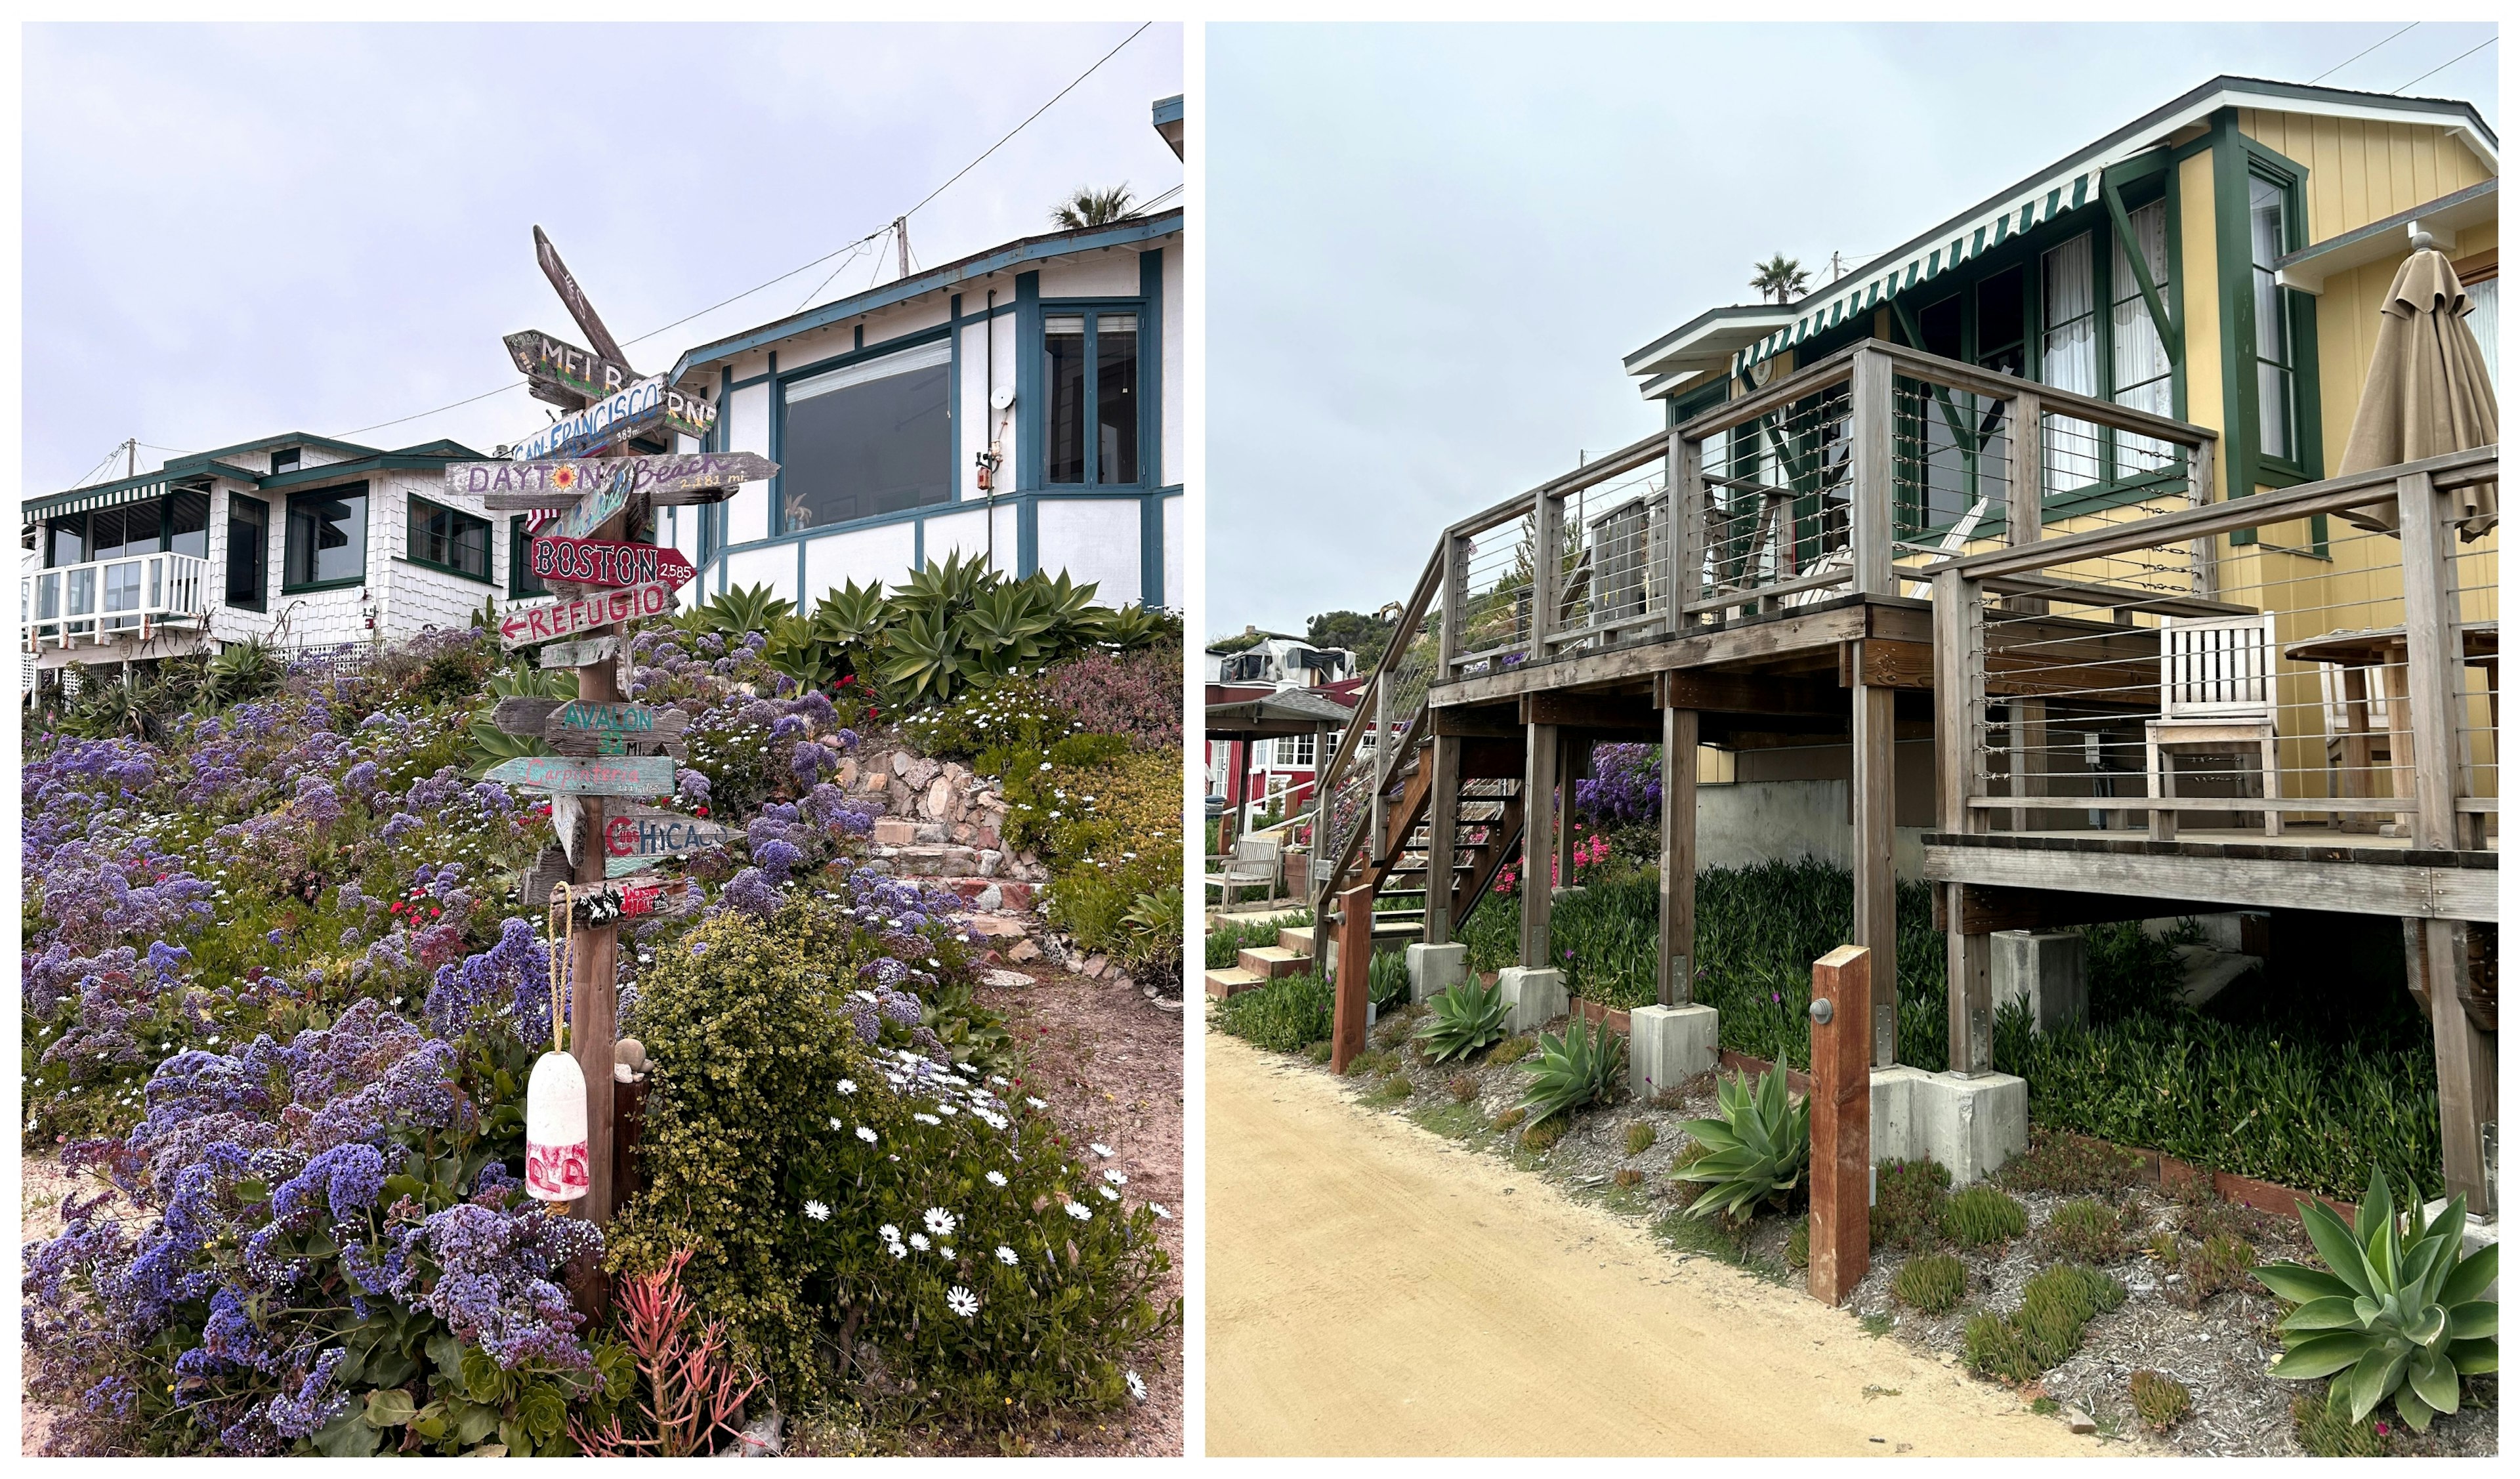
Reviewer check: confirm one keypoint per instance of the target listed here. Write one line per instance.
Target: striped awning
(99, 496)
(1920, 262)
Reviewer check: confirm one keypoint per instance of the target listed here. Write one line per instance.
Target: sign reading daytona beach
(525, 626)
(608, 562)
(672, 477)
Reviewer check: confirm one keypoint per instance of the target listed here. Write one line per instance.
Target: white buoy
(556, 1130)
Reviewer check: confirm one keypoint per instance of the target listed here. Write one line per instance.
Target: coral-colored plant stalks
(695, 1390)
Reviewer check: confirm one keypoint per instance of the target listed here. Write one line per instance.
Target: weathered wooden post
(1356, 958)
(1841, 1122)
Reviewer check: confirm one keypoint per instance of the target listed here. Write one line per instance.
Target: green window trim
(522, 582)
(367, 516)
(2237, 160)
(417, 509)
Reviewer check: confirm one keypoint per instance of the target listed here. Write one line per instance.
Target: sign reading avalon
(525, 625)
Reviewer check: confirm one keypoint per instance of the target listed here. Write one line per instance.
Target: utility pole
(901, 242)
(130, 456)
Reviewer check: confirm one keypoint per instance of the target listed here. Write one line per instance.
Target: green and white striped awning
(1922, 261)
(129, 490)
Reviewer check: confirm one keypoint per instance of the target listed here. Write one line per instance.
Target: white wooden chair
(2354, 703)
(2217, 698)
(1254, 864)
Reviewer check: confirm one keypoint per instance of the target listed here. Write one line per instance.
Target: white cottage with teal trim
(1023, 405)
(305, 541)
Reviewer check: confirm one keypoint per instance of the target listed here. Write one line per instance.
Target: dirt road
(1373, 1289)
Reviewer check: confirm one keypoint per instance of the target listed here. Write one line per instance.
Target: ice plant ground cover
(276, 984)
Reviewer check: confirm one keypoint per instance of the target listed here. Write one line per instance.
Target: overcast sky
(1429, 249)
(237, 231)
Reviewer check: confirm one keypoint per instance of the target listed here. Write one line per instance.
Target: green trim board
(414, 507)
(2247, 466)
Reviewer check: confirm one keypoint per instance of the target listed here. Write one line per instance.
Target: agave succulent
(1468, 1017)
(946, 588)
(2401, 1312)
(1759, 1147)
(853, 615)
(747, 609)
(926, 657)
(1573, 1070)
(791, 649)
(1003, 627)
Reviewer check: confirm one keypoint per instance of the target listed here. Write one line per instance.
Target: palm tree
(1092, 207)
(1780, 276)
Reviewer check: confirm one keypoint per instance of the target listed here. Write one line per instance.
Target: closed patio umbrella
(2427, 393)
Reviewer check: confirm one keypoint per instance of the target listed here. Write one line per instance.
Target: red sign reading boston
(608, 562)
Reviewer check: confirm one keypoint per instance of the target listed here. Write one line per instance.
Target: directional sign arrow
(602, 775)
(563, 374)
(578, 655)
(525, 625)
(555, 482)
(648, 406)
(570, 294)
(648, 833)
(609, 562)
(523, 716)
(585, 728)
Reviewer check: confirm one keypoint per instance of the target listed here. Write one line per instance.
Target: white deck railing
(113, 600)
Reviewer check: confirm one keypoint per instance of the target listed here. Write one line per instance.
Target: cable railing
(2342, 683)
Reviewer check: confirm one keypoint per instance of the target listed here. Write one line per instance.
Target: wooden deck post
(1872, 416)
(1877, 882)
(1676, 983)
(1443, 831)
(1841, 1124)
(1960, 724)
(2463, 1056)
(1355, 960)
(1539, 837)
(1574, 759)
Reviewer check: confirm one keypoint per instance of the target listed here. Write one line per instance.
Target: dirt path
(1373, 1289)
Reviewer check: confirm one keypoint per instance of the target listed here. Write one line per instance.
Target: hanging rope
(563, 928)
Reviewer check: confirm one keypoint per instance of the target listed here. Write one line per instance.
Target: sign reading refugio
(545, 623)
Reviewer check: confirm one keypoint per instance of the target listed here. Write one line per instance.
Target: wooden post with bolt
(1841, 1122)
(1356, 958)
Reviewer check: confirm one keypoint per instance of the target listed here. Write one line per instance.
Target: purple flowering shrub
(336, 1254)
(1134, 693)
(866, 1189)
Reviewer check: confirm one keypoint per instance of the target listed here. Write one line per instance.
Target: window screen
(871, 439)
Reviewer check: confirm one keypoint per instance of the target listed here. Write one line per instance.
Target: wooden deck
(2230, 868)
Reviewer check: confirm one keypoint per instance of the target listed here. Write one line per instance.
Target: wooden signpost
(640, 834)
(580, 654)
(609, 562)
(616, 729)
(523, 626)
(563, 374)
(571, 297)
(650, 405)
(669, 477)
(595, 776)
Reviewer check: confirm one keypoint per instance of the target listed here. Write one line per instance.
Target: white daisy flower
(1005, 1255)
(939, 1220)
(866, 1135)
(1158, 1208)
(1107, 1193)
(888, 1233)
(999, 1080)
(928, 1119)
(962, 1301)
(1101, 1150)
(997, 1177)
(817, 1212)
(848, 1086)
(947, 1109)
(1115, 1178)
(1080, 1210)
(1036, 1104)
(919, 1240)
(1137, 1386)
(835, 1123)
(896, 1250)
(944, 1253)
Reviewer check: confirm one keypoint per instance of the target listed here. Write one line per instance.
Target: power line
(2366, 50)
(2462, 57)
(816, 262)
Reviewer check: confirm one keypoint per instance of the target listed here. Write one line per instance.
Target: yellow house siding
(2202, 325)
(2359, 170)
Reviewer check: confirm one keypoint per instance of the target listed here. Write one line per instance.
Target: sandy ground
(1373, 1289)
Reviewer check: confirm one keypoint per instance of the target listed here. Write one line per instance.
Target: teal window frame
(522, 582)
(2247, 466)
(262, 599)
(414, 507)
(1036, 429)
(289, 532)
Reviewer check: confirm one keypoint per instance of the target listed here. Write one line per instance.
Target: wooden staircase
(1487, 834)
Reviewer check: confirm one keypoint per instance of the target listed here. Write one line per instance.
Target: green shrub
(1640, 1137)
(1372, 1061)
(1758, 1147)
(1512, 1049)
(2085, 1232)
(1934, 1283)
(2399, 1310)
(1979, 1215)
(1544, 1134)
(1466, 1017)
(2061, 1163)
(2221, 1262)
(1394, 1090)
(2055, 1305)
(2323, 1432)
(759, 1112)
(1463, 1088)
(1908, 1203)
(1506, 1119)
(1575, 1069)
(2160, 1400)
(1227, 941)
(1319, 1053)
(1798, 1245)
(1287, 1013)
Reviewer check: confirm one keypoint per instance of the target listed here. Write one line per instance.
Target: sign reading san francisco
(525, 626)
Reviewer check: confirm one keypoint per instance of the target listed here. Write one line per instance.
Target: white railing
(113, 600)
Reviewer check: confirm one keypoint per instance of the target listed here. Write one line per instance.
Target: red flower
(699, 811)
(847, 679)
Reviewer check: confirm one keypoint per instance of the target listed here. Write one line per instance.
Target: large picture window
(869, 439)
(451, 541)
(248, 550)
(1090, 371)
(328, 538)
